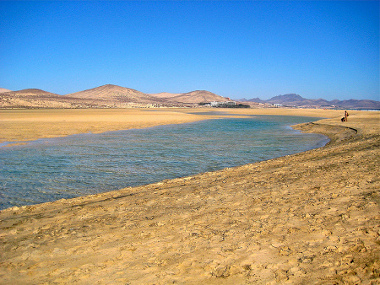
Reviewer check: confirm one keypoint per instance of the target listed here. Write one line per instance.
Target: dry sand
(309, 218)
(25, 125)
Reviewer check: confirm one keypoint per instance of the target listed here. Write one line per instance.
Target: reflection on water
(52, 169)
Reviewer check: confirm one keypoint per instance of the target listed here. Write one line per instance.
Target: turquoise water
(52, 169)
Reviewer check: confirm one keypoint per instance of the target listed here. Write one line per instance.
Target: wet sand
(308, 218)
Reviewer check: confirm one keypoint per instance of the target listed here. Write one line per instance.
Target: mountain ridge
(104, 96)
(296, 100)
(114, 96)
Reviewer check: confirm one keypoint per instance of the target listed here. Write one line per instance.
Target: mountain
(33, 98)
(286, 98)
(105, 96)
(295, 100)
(194, 97)
(114, 93)
(361, 104)
(113, 96)
(30, 93)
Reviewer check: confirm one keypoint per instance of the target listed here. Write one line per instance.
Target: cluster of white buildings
(223, 104)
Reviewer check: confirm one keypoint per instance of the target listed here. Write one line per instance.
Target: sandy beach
(26, 125)
(308, 218)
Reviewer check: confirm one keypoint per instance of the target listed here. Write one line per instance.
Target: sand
(308, 218)
(26, 125)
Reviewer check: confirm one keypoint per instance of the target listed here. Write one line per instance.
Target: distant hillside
(3, 90)
(295, 100)
(194, 97)
(113, 96)
(106, 96)
(32, 92)
(288, 98)
(116, 94)
(34, 98)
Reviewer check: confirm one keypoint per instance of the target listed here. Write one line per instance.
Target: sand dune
(309, 218)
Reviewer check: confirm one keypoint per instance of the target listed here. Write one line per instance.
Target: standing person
(345, 116)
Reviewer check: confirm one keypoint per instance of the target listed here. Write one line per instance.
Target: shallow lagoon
(52, 169)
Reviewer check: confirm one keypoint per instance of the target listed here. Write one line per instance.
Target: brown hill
(114, 93)
(31, 93)
(106, 96)
(195, 97)
(3, 90)
(37, 98)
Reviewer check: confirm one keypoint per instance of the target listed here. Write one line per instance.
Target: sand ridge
(308, 218)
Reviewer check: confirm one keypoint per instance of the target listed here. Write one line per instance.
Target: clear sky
(237, 49)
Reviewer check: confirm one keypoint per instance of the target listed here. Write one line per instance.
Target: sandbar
(32, 124)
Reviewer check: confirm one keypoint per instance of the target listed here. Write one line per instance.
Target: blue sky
(237, 49)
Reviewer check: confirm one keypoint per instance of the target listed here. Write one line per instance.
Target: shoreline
(99, 186)
(330, 132)
(308, 217)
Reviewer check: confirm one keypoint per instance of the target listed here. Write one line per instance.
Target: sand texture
(308, 218)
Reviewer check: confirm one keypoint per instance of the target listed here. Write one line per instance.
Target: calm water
(52, 169)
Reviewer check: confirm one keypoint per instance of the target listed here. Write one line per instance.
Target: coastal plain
(308, 218)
